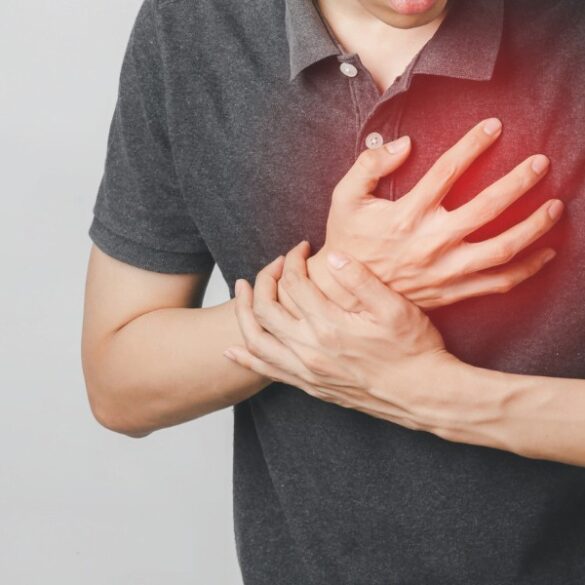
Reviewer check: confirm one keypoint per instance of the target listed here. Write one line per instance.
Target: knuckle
(433, 292)
(355, 274)
(361, 282)
(367, 162)
(254, 345)
(396, 315)
(263, 311)
(402, 222)
(264, 272)
(435, 276)
(504, 284)
(326, 335)
(354, 305)
(259, 309)
(543, 222)
(504, 253)
(315, 362)
(446, 170)
(490, 196)
(337, 192)
(476, 140)
(529, 268)
(424, 253)
(387, 313)
(522, 180)
(441, 302)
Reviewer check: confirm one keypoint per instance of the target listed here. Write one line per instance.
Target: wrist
(432, 388)
(486, 401)
(465, 403)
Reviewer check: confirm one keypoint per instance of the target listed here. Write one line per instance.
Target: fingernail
(398, 146)
(337, 260)
(492, 126)
(229, 354)
(549, 255)
(555, 209)
(540, 163)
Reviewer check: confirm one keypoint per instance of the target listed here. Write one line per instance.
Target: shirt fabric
(233, 124)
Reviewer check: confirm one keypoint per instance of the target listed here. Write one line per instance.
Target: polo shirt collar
(465, 46)
(467, 43)
(309, 40)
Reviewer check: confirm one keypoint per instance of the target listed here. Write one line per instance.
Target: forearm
(539, 417)
(167, 367)
(533, 416)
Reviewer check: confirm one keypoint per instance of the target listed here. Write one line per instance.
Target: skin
(356, 342)
(385, 40)
(390, 362)
(414, 244)
(152, 356)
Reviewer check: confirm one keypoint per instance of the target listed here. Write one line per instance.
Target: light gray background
(80, 504)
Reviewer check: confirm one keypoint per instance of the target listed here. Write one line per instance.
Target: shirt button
(348, 69)
(374, 140)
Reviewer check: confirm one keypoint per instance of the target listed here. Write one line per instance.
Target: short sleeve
(140, 215)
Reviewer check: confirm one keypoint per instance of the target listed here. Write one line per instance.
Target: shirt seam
(99, 219)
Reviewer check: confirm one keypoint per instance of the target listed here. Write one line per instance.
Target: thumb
(358, 279)
(369, 167)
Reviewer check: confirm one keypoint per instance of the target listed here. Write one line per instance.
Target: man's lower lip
(411, 6)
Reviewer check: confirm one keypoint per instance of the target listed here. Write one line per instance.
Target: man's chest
(258, 167)
(269, 155)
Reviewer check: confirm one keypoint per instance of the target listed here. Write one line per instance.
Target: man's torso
(324, 494)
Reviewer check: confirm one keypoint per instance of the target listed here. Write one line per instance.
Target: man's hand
(389, 362)
(344, 357)
(415, 245)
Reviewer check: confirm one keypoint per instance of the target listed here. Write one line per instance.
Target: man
(235, 122)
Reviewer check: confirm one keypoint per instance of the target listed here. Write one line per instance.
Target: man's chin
(411, 7)
(406, 13)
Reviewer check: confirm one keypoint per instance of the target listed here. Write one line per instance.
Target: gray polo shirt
(234, 122)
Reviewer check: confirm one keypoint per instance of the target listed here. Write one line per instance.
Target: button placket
(348, 69)
(374, 140)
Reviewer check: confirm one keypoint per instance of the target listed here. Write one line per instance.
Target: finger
(488, 204)
(244, 358)
(247, 360)
(258, 341)
(436, 183)
(295, 267)
(298, 254)
(269, 313)
(375, 296)
(287, 303)
(503, 247)
(500, 280)
(369, 167)
(296, 259)
(313, 305)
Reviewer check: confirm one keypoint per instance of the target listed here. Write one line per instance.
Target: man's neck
(385, 50)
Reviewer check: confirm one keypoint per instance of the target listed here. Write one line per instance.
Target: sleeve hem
(142, 256)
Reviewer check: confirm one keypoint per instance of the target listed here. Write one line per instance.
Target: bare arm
(152, 357)
(389, 361)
